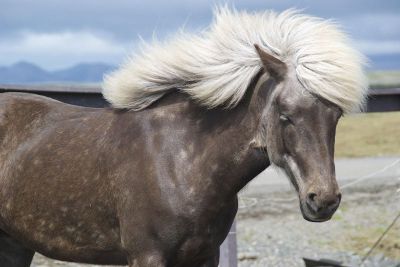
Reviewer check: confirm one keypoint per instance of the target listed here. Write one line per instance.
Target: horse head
(297, 129)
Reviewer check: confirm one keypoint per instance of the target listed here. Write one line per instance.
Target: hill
(25, 72)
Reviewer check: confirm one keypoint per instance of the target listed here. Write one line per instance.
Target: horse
(153, 179)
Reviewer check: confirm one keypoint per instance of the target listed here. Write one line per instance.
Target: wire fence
(394, 166)
(248, 202)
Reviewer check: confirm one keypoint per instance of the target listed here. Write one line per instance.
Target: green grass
(384, 79)
(368, 134)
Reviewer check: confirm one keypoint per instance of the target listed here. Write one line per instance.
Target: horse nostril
(311, 196)
(311, 202)
(322, 204)
(335, 204)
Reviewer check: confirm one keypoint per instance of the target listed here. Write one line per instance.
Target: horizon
(369, 68)
(93, 72)
(23, 62)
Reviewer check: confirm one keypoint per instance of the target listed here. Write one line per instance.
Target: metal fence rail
(379, 99)
(384, 99)
(81, 95)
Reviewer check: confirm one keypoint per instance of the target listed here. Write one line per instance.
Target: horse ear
(272, 65)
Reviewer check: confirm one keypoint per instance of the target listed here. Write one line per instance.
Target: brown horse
(153, 181)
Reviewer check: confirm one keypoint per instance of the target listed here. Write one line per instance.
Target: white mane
(216, 66)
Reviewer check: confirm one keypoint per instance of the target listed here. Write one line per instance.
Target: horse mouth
(308, 215)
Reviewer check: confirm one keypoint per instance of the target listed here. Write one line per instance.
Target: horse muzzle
(318, 207)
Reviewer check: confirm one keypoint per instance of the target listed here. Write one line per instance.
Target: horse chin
(308, 216)
(317, 220)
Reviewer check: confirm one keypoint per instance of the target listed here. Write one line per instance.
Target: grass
(384, 79)
(360, 238)
(368, 134)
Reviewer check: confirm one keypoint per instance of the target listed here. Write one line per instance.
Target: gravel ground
(271, 231)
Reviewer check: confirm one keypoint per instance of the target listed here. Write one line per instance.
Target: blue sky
(59, 33)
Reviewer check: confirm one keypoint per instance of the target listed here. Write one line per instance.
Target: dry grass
(360, 238)
(368, 134)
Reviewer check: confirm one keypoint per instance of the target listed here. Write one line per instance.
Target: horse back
(22, 114)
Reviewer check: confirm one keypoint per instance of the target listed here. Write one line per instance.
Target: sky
(56, 34)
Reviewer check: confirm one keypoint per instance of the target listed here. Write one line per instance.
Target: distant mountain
(22, 72)
(25, 72)
(384, 62)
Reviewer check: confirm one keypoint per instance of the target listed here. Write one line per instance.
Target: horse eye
(284, 118)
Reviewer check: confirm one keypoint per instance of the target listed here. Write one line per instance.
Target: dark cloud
(124, 19)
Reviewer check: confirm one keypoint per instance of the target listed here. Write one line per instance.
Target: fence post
(228, 249)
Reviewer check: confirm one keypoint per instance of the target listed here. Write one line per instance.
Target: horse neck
(231, 133)
(217, 141)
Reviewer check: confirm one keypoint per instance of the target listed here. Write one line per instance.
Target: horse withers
(153, 181)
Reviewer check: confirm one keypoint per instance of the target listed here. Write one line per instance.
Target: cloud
(109, 35)
(58, 50)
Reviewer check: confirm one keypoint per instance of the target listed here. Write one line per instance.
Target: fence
(387, 99)
(379, 100)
